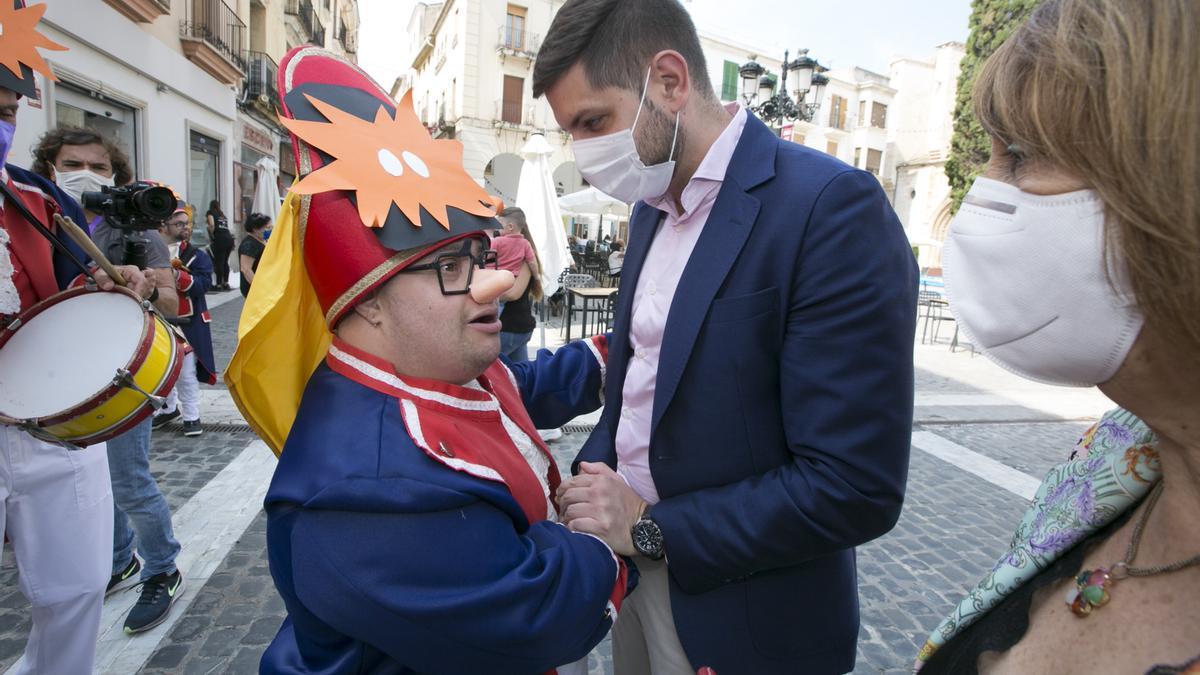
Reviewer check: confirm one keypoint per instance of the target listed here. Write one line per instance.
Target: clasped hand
(600, 502)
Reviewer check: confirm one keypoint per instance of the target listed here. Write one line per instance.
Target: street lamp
(775, 105)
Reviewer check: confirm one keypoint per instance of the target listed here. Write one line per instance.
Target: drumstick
(80, 237)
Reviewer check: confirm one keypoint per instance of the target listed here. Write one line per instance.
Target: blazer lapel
(725, 233)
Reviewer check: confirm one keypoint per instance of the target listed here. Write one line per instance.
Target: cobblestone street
(982, 441)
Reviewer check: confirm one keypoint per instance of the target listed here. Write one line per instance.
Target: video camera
(132, 209)
(137, 206)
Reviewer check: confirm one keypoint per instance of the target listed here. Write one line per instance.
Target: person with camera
(55, 501)
(222, 244)
(78, 161)
(118, 218)
(194, 269)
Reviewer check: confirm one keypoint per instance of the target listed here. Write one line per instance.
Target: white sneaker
(550, 434)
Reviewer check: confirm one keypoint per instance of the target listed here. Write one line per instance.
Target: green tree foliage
(992, 21)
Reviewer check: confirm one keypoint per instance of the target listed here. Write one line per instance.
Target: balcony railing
(514, 40)
(212, 26)
(260, 79)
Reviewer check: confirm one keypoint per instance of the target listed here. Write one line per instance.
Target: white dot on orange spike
(390, 162)
(416, 164)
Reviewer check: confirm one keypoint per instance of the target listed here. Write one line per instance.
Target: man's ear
(370, 309)
(53, 175)
(671, 79)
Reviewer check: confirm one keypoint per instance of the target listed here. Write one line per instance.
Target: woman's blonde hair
(1109, 90)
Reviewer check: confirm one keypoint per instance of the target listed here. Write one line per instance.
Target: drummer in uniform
(55, 503)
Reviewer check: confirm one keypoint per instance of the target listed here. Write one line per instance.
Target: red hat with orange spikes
(377, 193)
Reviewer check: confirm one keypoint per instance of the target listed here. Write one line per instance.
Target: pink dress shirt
(668, 255)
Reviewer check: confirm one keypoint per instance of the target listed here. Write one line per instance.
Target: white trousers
(56, 508)
(644, 640)
(186, 392)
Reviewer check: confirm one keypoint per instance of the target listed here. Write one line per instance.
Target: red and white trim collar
(376, 373)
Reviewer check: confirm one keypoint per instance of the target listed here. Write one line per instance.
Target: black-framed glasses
(455, 270)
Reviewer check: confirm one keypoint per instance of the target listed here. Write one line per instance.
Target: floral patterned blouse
(1111, 469)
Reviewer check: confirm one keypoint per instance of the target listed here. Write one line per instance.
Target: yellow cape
(282, 336)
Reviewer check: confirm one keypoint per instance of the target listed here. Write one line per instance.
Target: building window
(857, 156)
(837, 112)
(514, 93)
(879, 115)
(113, 120)
(514, 28)
(831, 146)
(204, 179)
(730, 80)
(874, 161)
(862, 116)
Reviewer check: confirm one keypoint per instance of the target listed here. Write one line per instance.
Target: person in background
(56, 505)
(514, 251)
(759, 402)
(616, 259)
(222, 244)
(516, 318)
(251, 249)
(194, 269)
(78, 161)
(1075, 260)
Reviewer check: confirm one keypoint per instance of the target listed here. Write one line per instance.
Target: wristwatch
(647, 537)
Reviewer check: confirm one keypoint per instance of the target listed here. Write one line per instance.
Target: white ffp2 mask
(75, 183)
(613, 165)
(1026, 277)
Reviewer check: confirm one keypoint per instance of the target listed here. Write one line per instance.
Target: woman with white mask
(1075, 260)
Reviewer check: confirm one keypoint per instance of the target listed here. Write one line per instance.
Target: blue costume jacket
(193, 288)
(783, 404)
(65, 271)
(410, 528)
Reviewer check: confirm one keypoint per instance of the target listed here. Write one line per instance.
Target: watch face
(647, 539)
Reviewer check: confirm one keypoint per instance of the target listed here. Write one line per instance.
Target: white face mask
(1026, 278)
(75, 183)
(613, 165)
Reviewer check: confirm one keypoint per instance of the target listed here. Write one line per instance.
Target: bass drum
(85, 365)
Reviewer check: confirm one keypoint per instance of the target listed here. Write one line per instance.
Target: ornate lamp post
(776, 106)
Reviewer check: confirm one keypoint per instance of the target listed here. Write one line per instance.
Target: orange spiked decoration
(391, 160)
(19, 44)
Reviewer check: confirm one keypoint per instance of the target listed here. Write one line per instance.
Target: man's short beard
(657, 134)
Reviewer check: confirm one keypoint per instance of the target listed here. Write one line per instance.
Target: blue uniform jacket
(783, 406)
(197, 330)
(392, 556)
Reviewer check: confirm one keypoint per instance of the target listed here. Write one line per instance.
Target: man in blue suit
(758, 405)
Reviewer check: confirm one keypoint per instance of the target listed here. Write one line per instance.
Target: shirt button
(640, 353)
(625, 412)
(653, 289)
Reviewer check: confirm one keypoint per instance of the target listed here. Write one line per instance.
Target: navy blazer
(783, 407)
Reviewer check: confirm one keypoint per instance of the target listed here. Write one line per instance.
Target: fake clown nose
(487, 285)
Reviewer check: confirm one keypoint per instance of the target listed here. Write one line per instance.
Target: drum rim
(110, 390)
(141, 415)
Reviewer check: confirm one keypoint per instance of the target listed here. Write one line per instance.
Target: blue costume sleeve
(560, 386)
(458, 590)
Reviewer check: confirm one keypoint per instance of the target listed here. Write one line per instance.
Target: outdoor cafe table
(586, 295)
